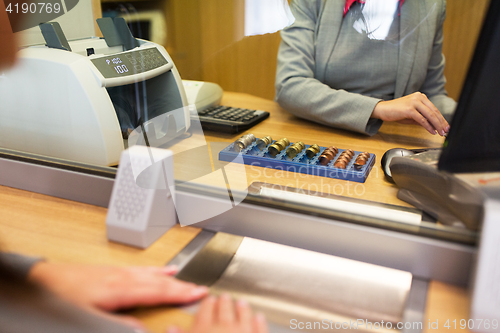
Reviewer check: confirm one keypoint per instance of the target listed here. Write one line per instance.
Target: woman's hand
(223, 316)
(413, 109)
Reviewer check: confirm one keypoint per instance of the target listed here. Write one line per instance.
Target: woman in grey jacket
(352, 67)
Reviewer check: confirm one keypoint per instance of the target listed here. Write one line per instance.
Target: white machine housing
(142, 204)
(57, 103)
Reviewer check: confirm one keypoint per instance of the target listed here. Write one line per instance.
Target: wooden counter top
(66, 231)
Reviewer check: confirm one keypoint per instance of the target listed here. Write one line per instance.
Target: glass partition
(205, 48)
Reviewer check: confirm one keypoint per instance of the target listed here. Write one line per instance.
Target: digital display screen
(117, 65)
(129, 63)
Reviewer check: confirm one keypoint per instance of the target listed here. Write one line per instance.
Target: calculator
(228, 119)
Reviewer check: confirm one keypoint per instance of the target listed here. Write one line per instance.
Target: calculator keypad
(230, 119)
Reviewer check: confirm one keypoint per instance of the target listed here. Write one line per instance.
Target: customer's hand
(103, 288)
(412, 109)
(223, 316)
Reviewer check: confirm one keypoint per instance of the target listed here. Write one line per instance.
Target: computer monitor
(473, 143)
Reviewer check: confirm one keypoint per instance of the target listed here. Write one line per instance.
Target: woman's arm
(299, 92)
(434, 85)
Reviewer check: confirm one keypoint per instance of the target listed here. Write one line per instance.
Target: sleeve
(25, 307)
(434, 84)
(300, 93)
(33, 310)
(21, 265)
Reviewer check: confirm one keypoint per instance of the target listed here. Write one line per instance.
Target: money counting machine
(79, 100)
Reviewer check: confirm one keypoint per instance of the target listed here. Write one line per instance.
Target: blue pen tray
(301, 163)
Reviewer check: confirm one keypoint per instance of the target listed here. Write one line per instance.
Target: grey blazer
(308, 43)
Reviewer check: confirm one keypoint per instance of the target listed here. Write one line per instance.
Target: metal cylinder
(295, 149)
(312, 150)
(361, 160)
(244, 142)
(348, 152)
(333, 149)
(326, 157)
(343, 160)
(278, 146)
(264, 142)
(365, 154)
(340, 164)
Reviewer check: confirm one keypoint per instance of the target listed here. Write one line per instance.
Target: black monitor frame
(473, 143)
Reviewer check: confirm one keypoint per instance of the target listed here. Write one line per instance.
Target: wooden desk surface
(283, 124)
(66, 231)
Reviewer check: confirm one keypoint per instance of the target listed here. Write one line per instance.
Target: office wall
(184, 36)
(461, 30)
(97, 12)
(219, 52)
(205, 39)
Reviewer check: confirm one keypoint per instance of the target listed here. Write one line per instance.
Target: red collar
(349, 3)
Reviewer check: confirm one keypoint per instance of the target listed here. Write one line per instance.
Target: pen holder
(142, 207)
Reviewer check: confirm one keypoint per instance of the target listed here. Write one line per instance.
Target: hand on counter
(222, 315)
(101, 288)
(416, 109)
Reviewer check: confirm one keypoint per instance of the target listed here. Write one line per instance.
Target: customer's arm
(81, 298)
(25, 308)
(109, 288)
(101, 289)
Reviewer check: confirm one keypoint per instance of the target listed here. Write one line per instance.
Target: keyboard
(228, 119)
